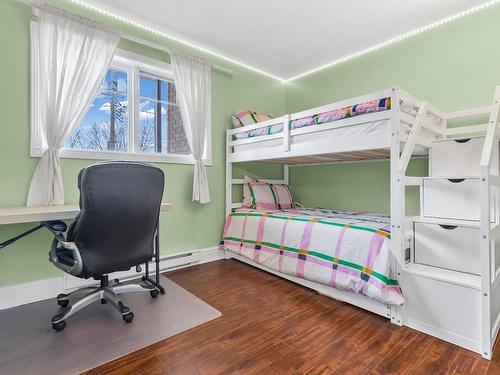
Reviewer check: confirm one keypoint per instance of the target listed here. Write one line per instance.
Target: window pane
(115, 81)
(105, 125)
(147, 126)
(160, 127)
(147, 87)
(164, 134)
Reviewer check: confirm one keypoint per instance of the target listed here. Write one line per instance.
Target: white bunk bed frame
(398, 144)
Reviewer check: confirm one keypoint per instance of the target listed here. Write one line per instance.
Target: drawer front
(457, 199)
(453, 248)
(448, 311)
(459, 157)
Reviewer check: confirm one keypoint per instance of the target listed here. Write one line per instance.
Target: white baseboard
(22, 294)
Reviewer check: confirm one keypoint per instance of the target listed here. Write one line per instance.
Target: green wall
(188, 226)
(352, 186)
(455, 66)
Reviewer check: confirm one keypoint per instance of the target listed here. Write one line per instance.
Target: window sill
(127, 156)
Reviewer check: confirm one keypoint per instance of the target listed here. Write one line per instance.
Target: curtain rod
(218, 68)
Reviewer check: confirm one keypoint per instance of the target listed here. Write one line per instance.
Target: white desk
(17, 215)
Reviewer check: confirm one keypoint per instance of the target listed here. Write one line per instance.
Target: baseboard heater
(169, 263)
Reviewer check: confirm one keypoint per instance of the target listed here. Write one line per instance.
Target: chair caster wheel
(154, 293)
(63, 302)
(59, 326)
(128, 317)
(103, 301)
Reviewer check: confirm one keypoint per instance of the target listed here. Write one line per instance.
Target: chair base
(106, 292)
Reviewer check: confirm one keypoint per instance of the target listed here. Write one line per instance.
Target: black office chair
(114, 231)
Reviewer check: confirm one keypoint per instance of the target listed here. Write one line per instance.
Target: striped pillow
(247, 198)
(244, 118)
(264, 196)
(283, 196)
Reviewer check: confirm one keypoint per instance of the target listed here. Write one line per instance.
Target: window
(106, 124)
(135, 116)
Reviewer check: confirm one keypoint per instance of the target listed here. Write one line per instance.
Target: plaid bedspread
(346, 250)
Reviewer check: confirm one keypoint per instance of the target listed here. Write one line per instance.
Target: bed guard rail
(425, 108)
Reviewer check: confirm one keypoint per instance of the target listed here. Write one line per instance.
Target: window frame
(134, 65)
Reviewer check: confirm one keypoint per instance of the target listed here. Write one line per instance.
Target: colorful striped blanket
(346, 250)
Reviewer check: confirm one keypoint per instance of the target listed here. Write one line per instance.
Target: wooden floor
(272, 326)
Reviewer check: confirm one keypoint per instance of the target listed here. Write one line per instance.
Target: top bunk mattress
(372, 106)
(347, 250)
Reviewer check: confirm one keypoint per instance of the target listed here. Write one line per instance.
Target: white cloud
(144, 114)
(149, 113)
(106, 107)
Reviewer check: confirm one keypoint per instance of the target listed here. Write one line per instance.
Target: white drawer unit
(448, 246)
(460, 157)
(445, 310)
(453, 198)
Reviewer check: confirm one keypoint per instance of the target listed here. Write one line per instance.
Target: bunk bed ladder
(451, 277)
(411, 141)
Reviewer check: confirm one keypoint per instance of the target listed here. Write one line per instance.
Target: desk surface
(16, 215)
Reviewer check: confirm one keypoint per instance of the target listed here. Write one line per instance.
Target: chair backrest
(119, 210)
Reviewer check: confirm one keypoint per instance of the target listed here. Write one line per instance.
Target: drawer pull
(448, 227)
(456, 180)
(465, 140)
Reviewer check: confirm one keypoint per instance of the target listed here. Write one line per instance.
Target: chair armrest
(55, 226)
(60, 245)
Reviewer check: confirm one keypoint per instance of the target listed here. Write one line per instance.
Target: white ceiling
(285, 38)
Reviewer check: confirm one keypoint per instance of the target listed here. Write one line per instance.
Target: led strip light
(322, 67)
(395, 40)
(173, 38)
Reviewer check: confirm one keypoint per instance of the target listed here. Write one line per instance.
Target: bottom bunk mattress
(346, 250)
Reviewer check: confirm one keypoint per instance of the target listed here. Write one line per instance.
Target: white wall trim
(21, 294)
(131, 156)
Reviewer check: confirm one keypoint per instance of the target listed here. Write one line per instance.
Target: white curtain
(74, 55)
(193, 82)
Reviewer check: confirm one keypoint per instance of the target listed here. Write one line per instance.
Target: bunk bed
(444, 261)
